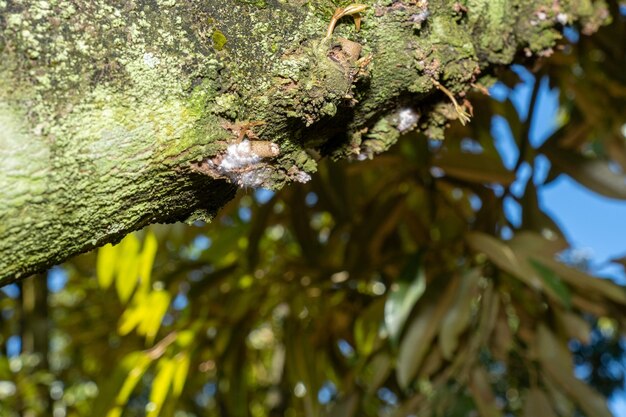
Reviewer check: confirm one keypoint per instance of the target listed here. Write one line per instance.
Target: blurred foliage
(397, 286)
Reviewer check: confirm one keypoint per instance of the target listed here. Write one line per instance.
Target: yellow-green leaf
(367, 326)
(132, 316)
(150, 246)
(105, 265)
(182, 361)
(128, 267)
(154, 308)
(161, 385)
(134, 365)
(115, 388)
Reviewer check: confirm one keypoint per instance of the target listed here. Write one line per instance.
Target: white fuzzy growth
(150, 60)
(407, 119)
(254, 178)
(242, 166)
(302, 177)
(239, 155)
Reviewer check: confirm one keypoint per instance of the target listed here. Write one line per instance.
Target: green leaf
(513, 260)
(420, 333)
(367, 326)
(379, 369)
(404, 294)
(553, 281)
(414, 345)
(106, 265)
(458, 316)
(585, 282)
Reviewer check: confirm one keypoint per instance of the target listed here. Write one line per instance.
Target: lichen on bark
(112, 112)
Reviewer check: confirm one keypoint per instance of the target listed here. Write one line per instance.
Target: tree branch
(117, 115)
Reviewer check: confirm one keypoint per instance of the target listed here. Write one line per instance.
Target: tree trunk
(116, 115)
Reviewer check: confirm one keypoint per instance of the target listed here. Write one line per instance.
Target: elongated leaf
(367, 326)
(417, 340)
(594, 174)
(537, 404)
(586, 282)
(534, 243)
(458, 317)
(403, 296)
(182, 361)
(479, 168)
(118, 387)
(127, 276)
(161, 385)
(304, 369)
(345, 407)
(553, 281)
(556, 361)
(502, 339)
(106, 265)
(150, 246)
(132, 316)
(381, 367)
(517, 264)
(483, 394)
(574, 325)
(501, 254)
(154, 308)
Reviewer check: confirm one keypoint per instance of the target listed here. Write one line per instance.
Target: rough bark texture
(115, 115)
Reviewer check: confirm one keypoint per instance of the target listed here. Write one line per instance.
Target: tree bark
(116, 115)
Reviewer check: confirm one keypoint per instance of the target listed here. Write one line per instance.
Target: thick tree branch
(115, 115)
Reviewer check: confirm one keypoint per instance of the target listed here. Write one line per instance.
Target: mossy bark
(115, 115)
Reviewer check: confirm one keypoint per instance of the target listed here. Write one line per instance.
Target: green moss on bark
(111, 111)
